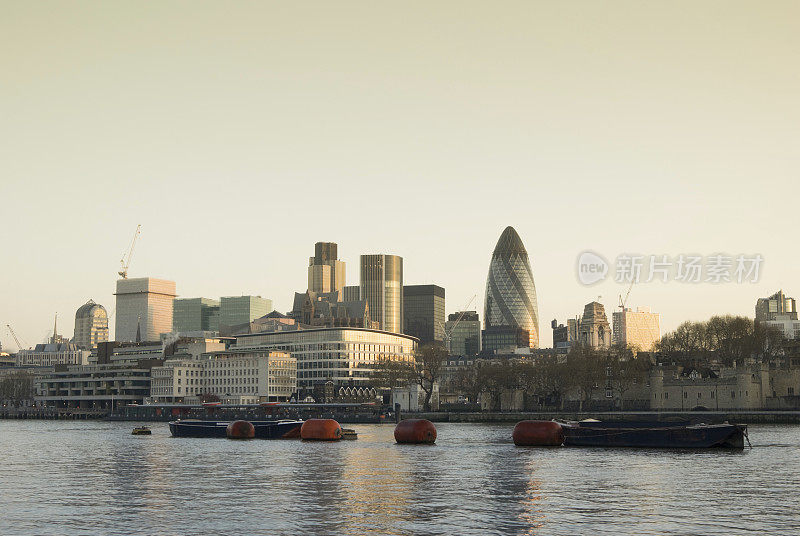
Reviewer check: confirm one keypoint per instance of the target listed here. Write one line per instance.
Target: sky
(238, 134)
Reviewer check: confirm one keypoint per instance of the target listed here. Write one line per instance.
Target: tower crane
(16, 339)
(125, 262)
(448, 334)
(622, 301)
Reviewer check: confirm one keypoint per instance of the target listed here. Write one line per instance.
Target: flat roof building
(639, 329)
(195, 314)
(423, 312)
(382, 288)
(235, 310)
(344, 356)
(144, 308)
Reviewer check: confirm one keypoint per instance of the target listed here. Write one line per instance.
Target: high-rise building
(780, 312)
(325, 272)
(464, 330)
(779, 304)
(91, 325)
(144, 307)
(351, 293)
(234, 310)
(511, 312)
(640, 328)
(382, 287)
(423, 312)
(594, 329)
(195, 314)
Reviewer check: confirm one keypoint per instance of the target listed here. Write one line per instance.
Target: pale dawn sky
(240, 133)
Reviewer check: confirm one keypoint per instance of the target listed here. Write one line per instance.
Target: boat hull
(263, 429)
(654, 436)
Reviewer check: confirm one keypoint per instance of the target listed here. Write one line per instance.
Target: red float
(415, 431)
(538, 434)
(321, 430)
(240, 430)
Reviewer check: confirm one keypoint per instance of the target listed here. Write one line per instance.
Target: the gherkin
(510, 293)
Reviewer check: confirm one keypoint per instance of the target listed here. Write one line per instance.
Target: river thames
(94, 478)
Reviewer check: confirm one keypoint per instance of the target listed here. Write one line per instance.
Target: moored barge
(278, 429)
(653, 435)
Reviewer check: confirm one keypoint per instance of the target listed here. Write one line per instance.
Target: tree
(390, 373)
(429, 359)
(17, 387)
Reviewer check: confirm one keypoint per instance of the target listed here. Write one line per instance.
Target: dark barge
(653, 434)
(279, 429)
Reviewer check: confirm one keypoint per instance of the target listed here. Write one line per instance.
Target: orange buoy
(321, 430)
(240, 430)
(538, 434)
(415, 431)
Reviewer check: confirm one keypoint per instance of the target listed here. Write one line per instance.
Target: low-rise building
(344, 356)
(95, 386)
(50, 354)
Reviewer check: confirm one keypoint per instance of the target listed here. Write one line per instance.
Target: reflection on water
(64, 478)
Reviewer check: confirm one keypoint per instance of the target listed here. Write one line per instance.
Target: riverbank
(741, 417)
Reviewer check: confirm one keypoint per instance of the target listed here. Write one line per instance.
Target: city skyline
(540, 120)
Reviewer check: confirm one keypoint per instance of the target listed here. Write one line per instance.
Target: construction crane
(16, 339)
(125, 261)
(622, 302)
(448, 334)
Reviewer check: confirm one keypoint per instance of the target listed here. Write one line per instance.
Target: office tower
(325, 272)
(779, 312)
(235, 310)
(382, 287)
(91, 325)
(464, 333)
(144, 305)
(423, 312)
(195, 314)
(511, 314)
(351, 293)
(640, 329)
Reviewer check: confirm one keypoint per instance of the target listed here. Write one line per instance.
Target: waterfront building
(382, 288)
(50, 354)
(195, 314)
(91, 325)
(351, 293)
(327, 310)
(464, 329)
(594, 330)
(326, 273)
(144, 308)
(95, 386)
(423, 313)
(510, 307)
(343, 356)
(250, 376)
(639, 329)
(780, 312)
(177, 380)
(236, 310)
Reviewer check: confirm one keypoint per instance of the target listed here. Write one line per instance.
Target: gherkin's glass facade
(510, 293)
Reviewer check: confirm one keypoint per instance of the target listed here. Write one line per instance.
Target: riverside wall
(739, 417)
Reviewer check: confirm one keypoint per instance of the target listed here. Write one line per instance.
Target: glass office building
(195, 314)
(382, 288)
(510, 294)
(235, 310)
(423, 312)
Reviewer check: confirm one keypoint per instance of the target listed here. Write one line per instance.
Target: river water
(95, 478)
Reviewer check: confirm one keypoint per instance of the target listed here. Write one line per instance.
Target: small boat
(349, 433)
(674, 435)
(141, 430)
(279, 429)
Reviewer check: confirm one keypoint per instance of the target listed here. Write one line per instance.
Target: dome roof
(89, 309)
(509, 244)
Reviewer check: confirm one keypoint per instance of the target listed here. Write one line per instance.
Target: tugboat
(279, 429)
(674, 435)
(141, 430)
